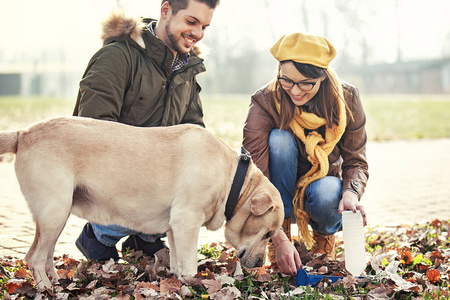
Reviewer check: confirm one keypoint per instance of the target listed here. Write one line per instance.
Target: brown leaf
(436, 223)
(206, 274)
(22, 273)
(349, 281)
(149, 285)
(223, 257)
(120, 296)
(323, 270)
(232, 265)
(185, 292)
(24, 288)
(380, 293)
(229, 292)
(12, 284)
(264, 277)
(62, 273)
(212, 285)
(170, 285)
(433, 275)
(163, 257)
(91, 284)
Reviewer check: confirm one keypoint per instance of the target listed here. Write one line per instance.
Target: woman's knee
(323, 195)
(326, 189)
(282, 143)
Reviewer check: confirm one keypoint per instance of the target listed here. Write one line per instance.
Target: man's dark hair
(178, 5)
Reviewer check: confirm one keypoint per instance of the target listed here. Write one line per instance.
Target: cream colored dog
(154, 180)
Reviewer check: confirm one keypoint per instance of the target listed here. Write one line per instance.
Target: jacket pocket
(143, 104)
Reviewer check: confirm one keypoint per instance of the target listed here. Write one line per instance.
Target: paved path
(409, 183)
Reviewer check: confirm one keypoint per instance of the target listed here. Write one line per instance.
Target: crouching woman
(306, 131)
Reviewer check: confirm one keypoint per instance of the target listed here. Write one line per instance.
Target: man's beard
(174, 43)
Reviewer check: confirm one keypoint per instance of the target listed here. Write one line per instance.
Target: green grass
(389, 117)
(407, 117)
(17, 112)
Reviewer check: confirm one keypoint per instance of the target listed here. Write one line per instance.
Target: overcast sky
(31, 28)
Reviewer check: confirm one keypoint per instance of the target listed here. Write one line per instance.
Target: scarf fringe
(303, 230)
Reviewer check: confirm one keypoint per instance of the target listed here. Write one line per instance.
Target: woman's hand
(350, 201)
(288, 259)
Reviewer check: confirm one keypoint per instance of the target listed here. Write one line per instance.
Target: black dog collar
(238, 182)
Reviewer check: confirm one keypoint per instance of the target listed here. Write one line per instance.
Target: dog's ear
(261, 203)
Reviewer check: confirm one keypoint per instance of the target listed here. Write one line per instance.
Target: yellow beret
(304, 48)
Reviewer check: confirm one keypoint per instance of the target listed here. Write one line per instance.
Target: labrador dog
(170, 180)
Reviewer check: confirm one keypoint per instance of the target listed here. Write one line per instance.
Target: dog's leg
(50, 214)
(172, 253)
(186, 259)
(40, 255)
(185, 232)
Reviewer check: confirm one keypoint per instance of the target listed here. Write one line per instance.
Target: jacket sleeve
(353, 146)
(257, 128)
(103, 85)
(194, 112)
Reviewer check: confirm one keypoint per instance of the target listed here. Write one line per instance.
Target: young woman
(306, 131)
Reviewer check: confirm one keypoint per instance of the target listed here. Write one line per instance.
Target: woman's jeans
(321, 196)
(109, 235)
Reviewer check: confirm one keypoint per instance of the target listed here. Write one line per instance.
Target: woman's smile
(299, 97)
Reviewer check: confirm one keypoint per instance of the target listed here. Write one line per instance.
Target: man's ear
(260, 204)
(166, 10)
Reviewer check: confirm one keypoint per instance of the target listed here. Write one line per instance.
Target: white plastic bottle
(354, 242)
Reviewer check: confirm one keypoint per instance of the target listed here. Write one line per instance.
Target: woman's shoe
(324, 245)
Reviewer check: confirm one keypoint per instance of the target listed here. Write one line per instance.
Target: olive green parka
(130, 80)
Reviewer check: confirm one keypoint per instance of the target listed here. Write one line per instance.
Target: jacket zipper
(170, 80)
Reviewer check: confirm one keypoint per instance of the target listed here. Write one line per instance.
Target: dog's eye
(267, 236)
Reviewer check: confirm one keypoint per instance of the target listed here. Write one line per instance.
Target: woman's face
(299, 96)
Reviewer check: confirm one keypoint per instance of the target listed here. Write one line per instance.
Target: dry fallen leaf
(407, 261)
(434, 275)
(170, 285)
(212, 285)
(227, 293)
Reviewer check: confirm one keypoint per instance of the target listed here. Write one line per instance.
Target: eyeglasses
(304, 86)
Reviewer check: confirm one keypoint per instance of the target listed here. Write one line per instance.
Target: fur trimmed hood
(118, 25)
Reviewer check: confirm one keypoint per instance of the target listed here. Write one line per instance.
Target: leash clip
(245, 155)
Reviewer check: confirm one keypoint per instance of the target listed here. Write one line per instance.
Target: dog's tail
(8, 142)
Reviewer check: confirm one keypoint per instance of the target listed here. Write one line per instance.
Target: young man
(144, 75)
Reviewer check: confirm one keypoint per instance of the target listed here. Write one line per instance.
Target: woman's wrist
(276, 246)
(279, 238)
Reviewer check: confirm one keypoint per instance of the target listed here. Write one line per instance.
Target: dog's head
(256, 221)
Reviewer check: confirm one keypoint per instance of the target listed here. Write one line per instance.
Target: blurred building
(415, 77)
(51, 79)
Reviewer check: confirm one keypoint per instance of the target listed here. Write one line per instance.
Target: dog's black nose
(240, 254)
(259, 263)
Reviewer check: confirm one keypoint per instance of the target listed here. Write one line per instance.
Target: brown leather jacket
(347, 160)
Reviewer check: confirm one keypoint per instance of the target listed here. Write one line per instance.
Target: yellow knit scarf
(318, 150)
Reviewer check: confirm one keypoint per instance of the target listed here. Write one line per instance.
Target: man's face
(188, 26)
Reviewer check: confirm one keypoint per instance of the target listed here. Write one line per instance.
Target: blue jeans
(111, 234)
(321, 196)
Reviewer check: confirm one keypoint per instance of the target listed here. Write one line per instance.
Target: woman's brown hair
(324, 104)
